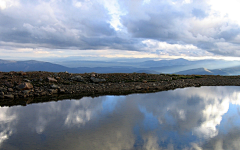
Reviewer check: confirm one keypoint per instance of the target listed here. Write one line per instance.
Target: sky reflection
(190, 118)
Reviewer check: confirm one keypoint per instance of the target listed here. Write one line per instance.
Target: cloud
(4, 4)
(221, 142)
(7, 120)
(182, 22)
(198, 111)
(62, 24)
(116, 122)
(164, 48)
(120, 25)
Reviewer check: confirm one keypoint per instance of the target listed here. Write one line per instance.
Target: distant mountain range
(177, 66)
(32, 65)
(203, 71)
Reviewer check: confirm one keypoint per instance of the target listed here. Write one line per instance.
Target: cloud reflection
(190, 118)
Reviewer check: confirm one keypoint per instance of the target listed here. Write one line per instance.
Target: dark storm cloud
(61, 25)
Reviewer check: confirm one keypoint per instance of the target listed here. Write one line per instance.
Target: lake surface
(189, 119)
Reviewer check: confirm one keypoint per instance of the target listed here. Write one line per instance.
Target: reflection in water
(190, 118)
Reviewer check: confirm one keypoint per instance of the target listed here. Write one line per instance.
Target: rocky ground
(28, 87)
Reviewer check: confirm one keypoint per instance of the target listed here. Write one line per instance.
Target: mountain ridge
(150, 67)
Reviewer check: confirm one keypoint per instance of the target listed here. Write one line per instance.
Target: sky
(157, 29)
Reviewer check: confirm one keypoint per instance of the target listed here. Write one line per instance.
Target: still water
(189, 119)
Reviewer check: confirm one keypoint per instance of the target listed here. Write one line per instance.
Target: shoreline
(22, 88)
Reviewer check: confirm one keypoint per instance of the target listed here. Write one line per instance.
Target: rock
(9, 96)
(54, 86)
(25, 86)
(8, 84)
(51, 79)
(4, 77)
(97, 80)
(44, 93)
(77, 78)
(36, 94)
(22, 95)
(62, 91)
(58, 78)
(93, 75)
(10, 90)
(22, 73)
(26, 91)
(68, 92)
(2, 89)
(144, 81)
(138, 87)
(26, 80)
(53, 91)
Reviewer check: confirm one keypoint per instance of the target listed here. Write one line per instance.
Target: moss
(186, 77)
(198, 76)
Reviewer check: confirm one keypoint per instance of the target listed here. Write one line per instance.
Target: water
(189, 119)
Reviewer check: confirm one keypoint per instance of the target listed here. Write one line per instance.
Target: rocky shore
(29, 87)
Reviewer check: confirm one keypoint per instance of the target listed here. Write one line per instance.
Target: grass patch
(198, 76)
(185, 77)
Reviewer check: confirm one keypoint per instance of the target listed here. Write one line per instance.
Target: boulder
(25, 86)
(9, 96)
(54, 86)
(26, 80)
(97, 80)
(138, 87)
(26, 91)
(22, 73)
(62, 91)
(53, 91)
(10, 90)
(50, 79)
(2, 89)
(77, 78)
(93, 74)
(9, 85)
(44, 93)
